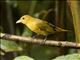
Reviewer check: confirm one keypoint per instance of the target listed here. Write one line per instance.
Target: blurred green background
(54, 11)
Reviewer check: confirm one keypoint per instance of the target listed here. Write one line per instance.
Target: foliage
(68, 57)
(9, 46)
(23, 58)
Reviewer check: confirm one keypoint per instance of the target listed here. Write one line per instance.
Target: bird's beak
(19, 21)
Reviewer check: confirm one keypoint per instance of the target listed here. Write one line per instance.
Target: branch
(40, 41)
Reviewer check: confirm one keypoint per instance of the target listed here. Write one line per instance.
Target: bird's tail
(58, 29)
(61, 30)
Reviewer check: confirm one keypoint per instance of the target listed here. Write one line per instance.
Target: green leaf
(23, 58)
(68, 57)
(9, 46)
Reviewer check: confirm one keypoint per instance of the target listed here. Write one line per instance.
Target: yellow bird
(39, 26)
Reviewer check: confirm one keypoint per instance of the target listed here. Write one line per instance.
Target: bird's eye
(23, 18)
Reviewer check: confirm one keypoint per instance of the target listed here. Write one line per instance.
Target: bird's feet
(44, 40)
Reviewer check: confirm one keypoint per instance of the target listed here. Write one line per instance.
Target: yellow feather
(39, 26)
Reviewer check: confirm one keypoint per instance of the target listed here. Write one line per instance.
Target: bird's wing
(44, 26)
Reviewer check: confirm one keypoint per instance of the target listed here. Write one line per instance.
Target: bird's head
(24, 19)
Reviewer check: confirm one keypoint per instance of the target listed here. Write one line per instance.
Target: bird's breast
(32, 26)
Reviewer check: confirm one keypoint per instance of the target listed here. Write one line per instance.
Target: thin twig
(40, 41)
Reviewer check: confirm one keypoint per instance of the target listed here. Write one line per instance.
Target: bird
(40, 27)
